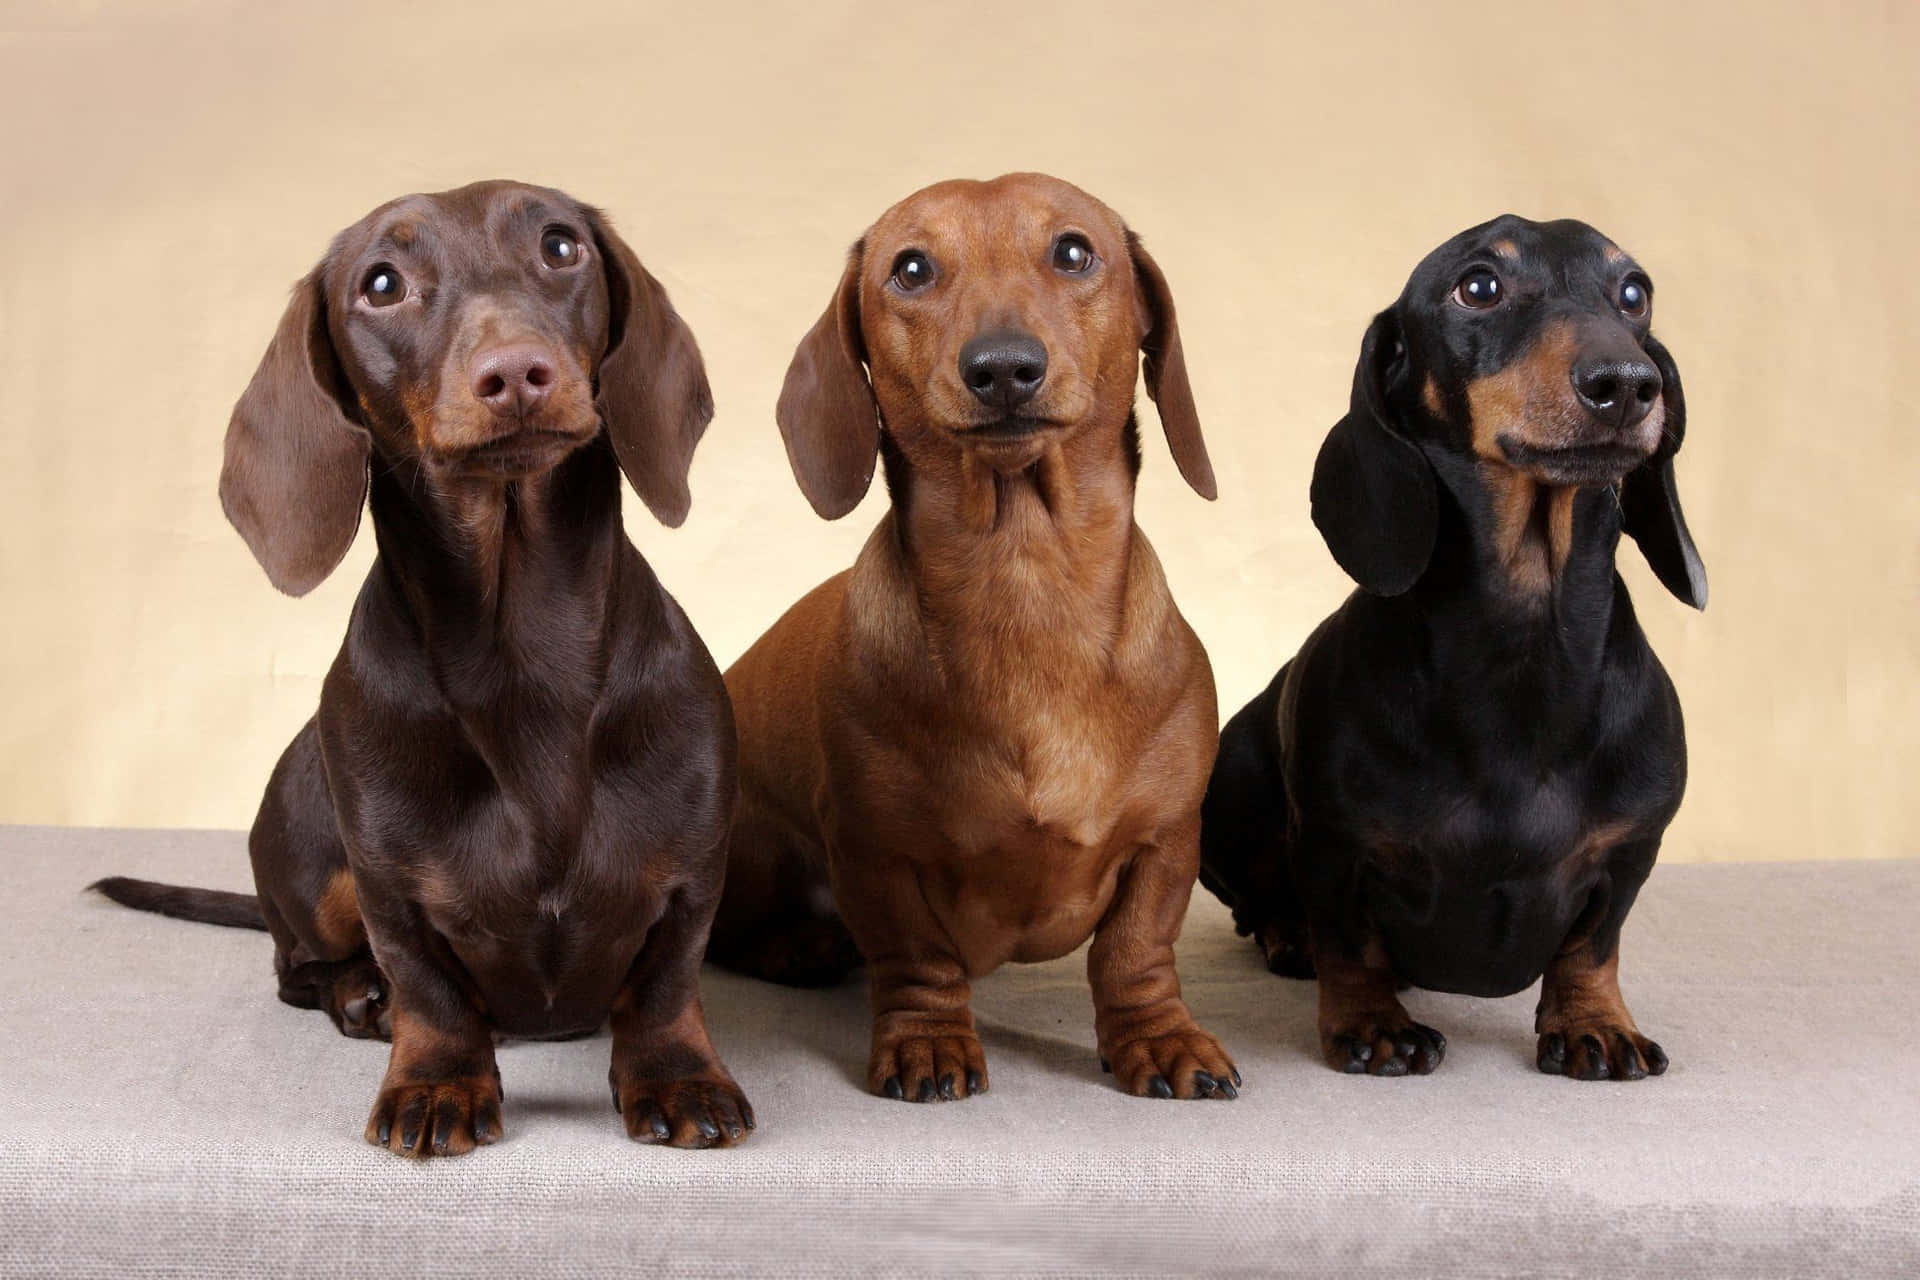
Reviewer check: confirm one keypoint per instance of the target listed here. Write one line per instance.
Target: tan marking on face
(991, 244)
(1507, 249)
(1530, 400)
(1614, 256)
(419, 402)
(403, 234)
(1430, 397)
(451, 418)
(336, 915)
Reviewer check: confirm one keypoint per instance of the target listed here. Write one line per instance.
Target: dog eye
(383, 287)
(1072, 254)
(912, 271)
(1636, 296)
(559, 249)
(1478, 290)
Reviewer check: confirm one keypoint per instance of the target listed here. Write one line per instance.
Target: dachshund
(989, 739)
(509, 816)
(1461, 780)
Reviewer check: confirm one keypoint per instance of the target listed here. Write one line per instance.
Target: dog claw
(1385, 1044)
(1603, 1051)
(1552, 1056)
(700, 1111)
(937, 1065)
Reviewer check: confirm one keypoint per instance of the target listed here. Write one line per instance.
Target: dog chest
(1481, 901)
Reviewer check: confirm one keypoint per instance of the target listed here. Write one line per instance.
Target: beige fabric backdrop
(166, 172)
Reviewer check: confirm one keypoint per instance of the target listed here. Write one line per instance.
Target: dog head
(990, 319)
(1525, 346)
(481, 334)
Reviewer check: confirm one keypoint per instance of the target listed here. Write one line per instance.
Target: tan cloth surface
(161, 1112)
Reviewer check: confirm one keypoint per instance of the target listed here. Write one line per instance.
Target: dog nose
(512, 380)
(1003, 368)
(1618, 392)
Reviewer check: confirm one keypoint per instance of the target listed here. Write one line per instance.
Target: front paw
(1382, 1043)
(436, 1117)
(927, 1066)
(1183, 1063)
(1599, 1051)
(708, 1110)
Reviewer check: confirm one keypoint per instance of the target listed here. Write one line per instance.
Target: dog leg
(441, 1095)
(924, 1047)
(668, 1083)
(1584, 1028)
(1147, 1037)
(1364, 1029)
(308, 901)
(1244, 858)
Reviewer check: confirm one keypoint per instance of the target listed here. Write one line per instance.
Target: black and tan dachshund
(1462, 779)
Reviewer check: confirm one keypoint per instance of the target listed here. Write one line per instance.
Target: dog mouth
(1604, 462)
(523, 453)
(1014, 427)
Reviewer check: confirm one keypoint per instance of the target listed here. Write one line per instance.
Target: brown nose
(512, 380)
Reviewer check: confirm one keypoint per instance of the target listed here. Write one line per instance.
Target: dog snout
(513, 379)
(1617, 392)
(1003, 368)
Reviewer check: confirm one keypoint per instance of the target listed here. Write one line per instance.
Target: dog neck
(1027, 563)
(477, 560)
(1526, 540)
(1537, 558)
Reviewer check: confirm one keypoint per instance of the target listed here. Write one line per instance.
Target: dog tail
(206, 906)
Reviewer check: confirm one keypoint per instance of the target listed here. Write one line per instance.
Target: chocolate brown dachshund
(989, 739)
(1462, 779)
(510, 815)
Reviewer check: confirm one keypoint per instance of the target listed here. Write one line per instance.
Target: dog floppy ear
(827, 414)
(1374, 497)
(295, 474)
(652, 385)
(1650, 496)
(1166, 373)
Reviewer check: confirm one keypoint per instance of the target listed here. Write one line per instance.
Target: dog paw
(1599, 1051)
(701, 1111)
(1383, 1044)
(931, 1067)
(1286, 951)
(814, 953)
(358, 1003)
(1184, 1063)
(436, 1117)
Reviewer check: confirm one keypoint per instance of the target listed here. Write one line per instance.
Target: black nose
(1618, 392)
(512, 380)
(1003, 368)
